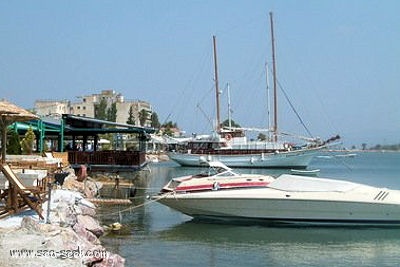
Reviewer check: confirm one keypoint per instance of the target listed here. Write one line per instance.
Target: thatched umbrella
(10, 113)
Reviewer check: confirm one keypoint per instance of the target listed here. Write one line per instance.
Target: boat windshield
(219, 171)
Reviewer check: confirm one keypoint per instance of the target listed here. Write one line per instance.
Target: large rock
(91, 188)
(72, 228)
(86, 234)
(30, 224)
(114, 260)
(70, 183)
(86, 210)
(90, 224)
(73, 240)
(21, 241)
(66, 214)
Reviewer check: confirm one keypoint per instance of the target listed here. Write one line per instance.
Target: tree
(100, 109)
(131, 117)
(168, 131)
(225, 123)
(27, 141)
(261, 137)
(155, 123)
(14, 145)
(364, 146)
(143, 116)
(109, 137)
(112, 112)
(167, 128)
(170, 124)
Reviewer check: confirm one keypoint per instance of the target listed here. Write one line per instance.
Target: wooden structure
(110, 160)
(10, 113)
(88, 129)
(110, 201)
(19, 197)
(79, 132)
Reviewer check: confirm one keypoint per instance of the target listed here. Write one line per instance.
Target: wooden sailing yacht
(231, 147)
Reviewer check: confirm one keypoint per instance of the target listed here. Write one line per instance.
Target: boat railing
(235, 151)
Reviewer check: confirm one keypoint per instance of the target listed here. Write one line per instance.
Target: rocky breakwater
(69, 237)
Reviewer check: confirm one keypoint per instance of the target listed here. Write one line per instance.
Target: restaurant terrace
(80, 137)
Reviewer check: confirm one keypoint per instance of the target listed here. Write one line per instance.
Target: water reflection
(160, 236)
(285, 246)
(256, 234)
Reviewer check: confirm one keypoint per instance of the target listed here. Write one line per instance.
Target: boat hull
(294, 159)
(281, 207)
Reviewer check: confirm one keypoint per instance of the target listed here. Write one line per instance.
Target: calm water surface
(156, 235)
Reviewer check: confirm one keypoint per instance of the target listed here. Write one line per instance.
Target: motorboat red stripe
(221, 186)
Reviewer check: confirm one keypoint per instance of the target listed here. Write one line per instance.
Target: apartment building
(51, 107)
(85, 106)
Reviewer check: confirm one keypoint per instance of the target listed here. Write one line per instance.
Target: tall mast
(229, 106)
(216, 84)
(275, 125)
(268, 101)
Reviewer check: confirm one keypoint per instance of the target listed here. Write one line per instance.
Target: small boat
(349, 155)
(222, 194)
(324, 157)
(305, 172)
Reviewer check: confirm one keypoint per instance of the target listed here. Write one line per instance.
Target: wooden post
(49, 185)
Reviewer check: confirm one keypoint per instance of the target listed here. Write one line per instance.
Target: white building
(85, 107)
(51, 107)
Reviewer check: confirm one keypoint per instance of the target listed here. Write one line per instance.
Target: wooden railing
(120, 158)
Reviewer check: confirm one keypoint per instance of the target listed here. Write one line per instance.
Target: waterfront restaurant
(80, 138)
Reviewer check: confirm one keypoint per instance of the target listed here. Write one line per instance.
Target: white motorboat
(223, 194)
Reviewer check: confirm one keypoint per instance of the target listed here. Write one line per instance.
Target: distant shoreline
(363, 151)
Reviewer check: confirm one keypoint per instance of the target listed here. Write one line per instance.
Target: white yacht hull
(364, 206)
(293, 159)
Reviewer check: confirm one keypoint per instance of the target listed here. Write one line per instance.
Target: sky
(338, 61)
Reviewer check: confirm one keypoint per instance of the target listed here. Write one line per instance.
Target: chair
(18, 196)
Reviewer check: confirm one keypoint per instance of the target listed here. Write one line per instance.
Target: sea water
(155, 235)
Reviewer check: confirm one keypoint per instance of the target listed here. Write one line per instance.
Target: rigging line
(247, 90)
(294, 109)
(305, 75)
(293, 54)
(206, 94)
(205, 115)
(201, 66)
(147, 188)
(340, 161)
(198, 105)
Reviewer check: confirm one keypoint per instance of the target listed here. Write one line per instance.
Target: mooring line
(135, 207)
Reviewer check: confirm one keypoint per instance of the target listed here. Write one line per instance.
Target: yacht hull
(294, 159)
(276, 206)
